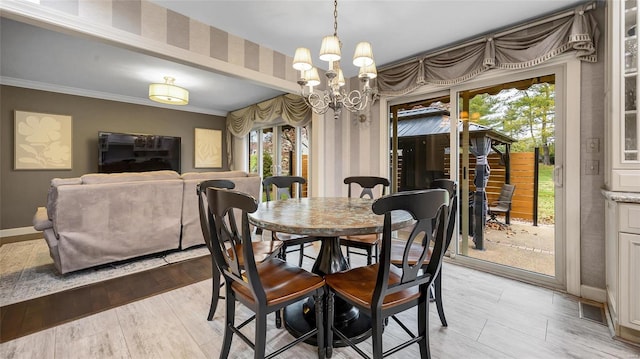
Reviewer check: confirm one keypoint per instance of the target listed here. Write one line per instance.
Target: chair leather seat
(358, 285)
(281, 282)
(262, 250)
(415, 251)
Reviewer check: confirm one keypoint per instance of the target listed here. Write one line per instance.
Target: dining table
(326, 218)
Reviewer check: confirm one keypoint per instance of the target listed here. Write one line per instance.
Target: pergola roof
(431, 121)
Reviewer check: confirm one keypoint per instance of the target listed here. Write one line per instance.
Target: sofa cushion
(65, 181)
(212, 175)
(96, 178)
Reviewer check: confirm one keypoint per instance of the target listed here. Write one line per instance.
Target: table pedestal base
(299, 318)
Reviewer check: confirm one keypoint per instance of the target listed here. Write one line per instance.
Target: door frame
(567, 71)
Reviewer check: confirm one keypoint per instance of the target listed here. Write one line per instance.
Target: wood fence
(522, 176)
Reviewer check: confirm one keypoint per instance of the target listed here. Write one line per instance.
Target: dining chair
(283, 189)
(263, 287)
(261, 250)
(398, 247)
(383, 289)
(366, 242)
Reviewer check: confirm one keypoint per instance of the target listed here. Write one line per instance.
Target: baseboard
(12, 235)
(592, 293)
(10, 232)
(629, 335)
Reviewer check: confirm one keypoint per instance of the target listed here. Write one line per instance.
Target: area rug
(27, 270)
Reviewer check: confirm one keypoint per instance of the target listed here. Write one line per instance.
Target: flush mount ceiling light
(335, 97)
(168, 93)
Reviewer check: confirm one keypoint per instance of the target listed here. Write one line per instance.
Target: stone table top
(324, 216)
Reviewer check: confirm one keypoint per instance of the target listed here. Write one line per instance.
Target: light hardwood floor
(489, 317)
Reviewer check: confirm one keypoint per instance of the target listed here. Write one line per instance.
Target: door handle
(557, 176)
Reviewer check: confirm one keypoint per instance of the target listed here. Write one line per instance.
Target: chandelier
(335, 96)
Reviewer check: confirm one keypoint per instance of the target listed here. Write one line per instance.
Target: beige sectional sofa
(102, 218)
(191, 232)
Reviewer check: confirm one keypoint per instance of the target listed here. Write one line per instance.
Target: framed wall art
(208, 148)
(42, 141)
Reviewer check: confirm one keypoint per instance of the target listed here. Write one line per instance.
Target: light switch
(593, 145)
(591, 167)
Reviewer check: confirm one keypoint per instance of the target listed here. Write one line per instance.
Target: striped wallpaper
(152, 22)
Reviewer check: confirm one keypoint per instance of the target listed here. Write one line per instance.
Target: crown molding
(35, 85)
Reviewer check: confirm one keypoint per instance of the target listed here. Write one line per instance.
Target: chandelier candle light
(335, 97)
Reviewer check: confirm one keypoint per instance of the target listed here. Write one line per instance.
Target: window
(280, 151)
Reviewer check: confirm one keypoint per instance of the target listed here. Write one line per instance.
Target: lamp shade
(168, 93)
(363, 55)
(368, 71)
(302, 59)
(312, 77)
(330, 49)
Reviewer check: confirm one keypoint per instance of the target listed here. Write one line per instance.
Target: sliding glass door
(280, 151)
(500, 141)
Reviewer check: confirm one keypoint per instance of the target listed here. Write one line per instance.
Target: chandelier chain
(335, 17)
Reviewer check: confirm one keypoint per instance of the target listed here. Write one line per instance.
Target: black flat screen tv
(129, 152)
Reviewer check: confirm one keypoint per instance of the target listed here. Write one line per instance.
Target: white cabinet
(623, 267)
(623, 105)
(622, 175)
(629, 251)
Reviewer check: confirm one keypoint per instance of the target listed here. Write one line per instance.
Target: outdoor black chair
(283, 186)
(264, 287)
(383, 289)
(502, 206)
(261, 250)
(366, 242)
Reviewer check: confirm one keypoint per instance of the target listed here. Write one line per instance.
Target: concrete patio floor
(521, 245)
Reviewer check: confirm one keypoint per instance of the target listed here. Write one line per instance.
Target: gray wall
(21, 192)
(592, 122)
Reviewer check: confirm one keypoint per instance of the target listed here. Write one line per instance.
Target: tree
(267, 163)
(483, 108)
(532, 114)
(527, 115)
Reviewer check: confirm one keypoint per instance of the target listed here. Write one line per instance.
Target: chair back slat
(452, 188)
(422, 232)
(283, 186)
(430, 210)
(367, 183)
(201, 192)
(222, 203)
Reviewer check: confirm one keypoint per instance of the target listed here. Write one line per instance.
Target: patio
(521, 245)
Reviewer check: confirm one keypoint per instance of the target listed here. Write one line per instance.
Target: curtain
(290, 108)
(480, 147)
(518, 49)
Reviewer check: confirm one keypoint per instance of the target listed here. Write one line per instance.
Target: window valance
(290, 108)
(519, 48)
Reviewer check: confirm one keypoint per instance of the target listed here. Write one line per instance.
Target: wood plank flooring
(489, 317)
(27, 317)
